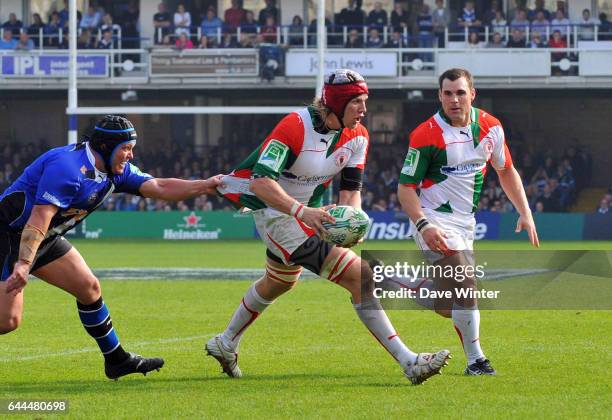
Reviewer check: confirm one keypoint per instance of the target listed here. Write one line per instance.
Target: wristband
(423, 224)
(297, 210)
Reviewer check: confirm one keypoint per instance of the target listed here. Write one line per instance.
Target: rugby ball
(351, 225)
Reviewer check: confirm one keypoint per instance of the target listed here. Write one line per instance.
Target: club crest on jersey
(273, 155)
(341, 158)
(411, 162)
(488, 147)
(92, 198)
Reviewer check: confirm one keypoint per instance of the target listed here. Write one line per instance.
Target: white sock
(467, 324)
(249, 309)
(375, 319)
(397, 283)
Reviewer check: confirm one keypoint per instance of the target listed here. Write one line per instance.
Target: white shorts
(283, 234)
(459, 231)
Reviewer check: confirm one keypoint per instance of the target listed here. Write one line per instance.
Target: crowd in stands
(352, 27)
(552, 182)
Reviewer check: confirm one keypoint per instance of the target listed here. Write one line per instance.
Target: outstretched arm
(511, 183)
(174, 189)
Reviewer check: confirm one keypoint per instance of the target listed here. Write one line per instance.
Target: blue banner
(52, 65)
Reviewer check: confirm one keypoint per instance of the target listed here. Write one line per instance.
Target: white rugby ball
(351, 225)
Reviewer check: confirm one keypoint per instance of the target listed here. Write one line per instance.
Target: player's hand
(435, 238)
(18, 278)
(210, 185)
(314, 218)
(526, 223)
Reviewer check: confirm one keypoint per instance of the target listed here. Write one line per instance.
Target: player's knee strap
(336, 266)
(287, 276)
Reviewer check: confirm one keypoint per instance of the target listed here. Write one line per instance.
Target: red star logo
(192, 220)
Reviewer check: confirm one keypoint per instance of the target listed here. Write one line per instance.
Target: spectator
(539, 7)
(108, 25)
(296, 31)
(519, 6)
(182, 21)
(499, 23)
(377, 17)
(183, 42)
(228, 41)
(35, 29)
(537, 41)
(13, 24)
(557, 42)
(560, 23)
(24, 43)
(64, 16)
(374, 39)
(539, 207)
(550, 197)
(561, 5)
(425, 29)
(269, 31)
(604, 207)
(440, 19)
(354, 39)
(395, 40)
(211, 25)
(517, 39)
(269, 11)
(605, 28)
(351, 16)
(540, 24)
(91, 19)
(586, 26)
(474, 41)
(399, 17)
(130, 32)
(162, 21)
(204, 43)
(85, 41)
(249, 25)
(235, 15)
(106, 42)
(167, 42)
(468, 18)
(497, 41)
(520, 21)
(52, 30)
(490, 14)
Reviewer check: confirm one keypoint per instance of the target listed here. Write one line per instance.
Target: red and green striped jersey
(448, 163)
(302, 160)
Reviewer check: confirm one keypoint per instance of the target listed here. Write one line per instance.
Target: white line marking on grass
(95, 349)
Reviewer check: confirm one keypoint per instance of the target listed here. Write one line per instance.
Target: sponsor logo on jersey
(306, 180)
(92, 198)
(51, 199)
(273, 155)
(465, 169)
(411, 162)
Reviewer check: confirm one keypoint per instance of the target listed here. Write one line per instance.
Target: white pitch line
(95, 349)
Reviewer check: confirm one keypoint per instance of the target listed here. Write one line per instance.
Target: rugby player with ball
(283, 182)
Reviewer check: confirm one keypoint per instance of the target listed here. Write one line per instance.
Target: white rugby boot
(426, 366)
(227, 357)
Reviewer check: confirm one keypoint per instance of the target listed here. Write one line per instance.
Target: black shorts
(310, 255)
(50, 250)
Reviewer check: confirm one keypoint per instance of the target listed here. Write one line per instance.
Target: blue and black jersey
(65, 177)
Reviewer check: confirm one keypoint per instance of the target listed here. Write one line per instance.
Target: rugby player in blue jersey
(54, 194)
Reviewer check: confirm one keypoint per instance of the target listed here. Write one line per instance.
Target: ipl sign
(52, 65)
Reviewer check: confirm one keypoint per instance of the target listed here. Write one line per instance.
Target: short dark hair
(454, 74)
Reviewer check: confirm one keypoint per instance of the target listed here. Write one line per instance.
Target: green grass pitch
(306, 356)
